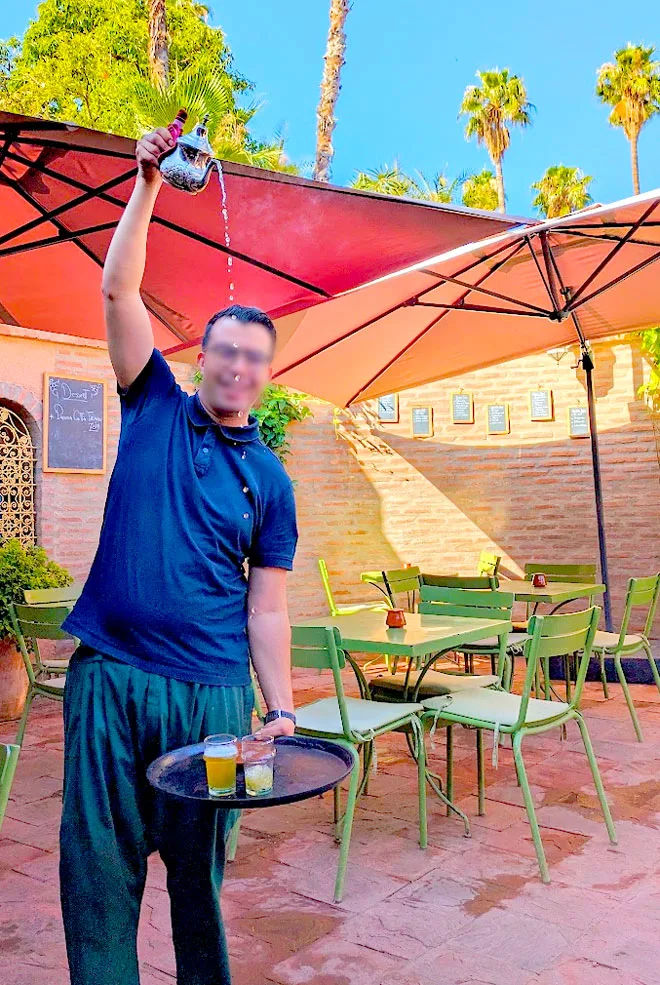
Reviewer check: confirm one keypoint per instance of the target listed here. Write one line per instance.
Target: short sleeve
(154, 383)
(275, 543)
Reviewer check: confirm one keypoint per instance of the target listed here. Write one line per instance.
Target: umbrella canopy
(292, 242)
(585, 276)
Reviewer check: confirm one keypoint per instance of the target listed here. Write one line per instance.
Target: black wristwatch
(276, 713)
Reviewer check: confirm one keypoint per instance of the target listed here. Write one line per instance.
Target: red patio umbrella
(293, 242)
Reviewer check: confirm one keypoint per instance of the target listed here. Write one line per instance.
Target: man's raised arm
(130, 337)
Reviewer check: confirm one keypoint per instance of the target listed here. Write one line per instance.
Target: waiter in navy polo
(168, 621)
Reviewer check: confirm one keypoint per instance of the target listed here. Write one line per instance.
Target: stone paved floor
(465, 912)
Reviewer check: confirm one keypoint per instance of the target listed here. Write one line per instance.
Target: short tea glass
(220, 754)
(258, 752)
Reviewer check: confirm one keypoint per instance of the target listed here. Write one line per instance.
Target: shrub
(20, 568)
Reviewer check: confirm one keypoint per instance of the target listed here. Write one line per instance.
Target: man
(168, 621)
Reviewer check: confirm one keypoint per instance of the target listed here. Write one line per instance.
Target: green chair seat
(496, 707)
(433, 683)
(363, 716)
(55, 666)
(612, 641)
(350, 608)
(53, 686)
(492, 644)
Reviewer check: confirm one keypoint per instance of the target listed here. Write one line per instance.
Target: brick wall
(371, 496)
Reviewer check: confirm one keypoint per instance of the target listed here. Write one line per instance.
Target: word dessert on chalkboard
(498, 419)
(578, 422)
(541, 405)
(74, 425)
(422, 422)
(462, 408)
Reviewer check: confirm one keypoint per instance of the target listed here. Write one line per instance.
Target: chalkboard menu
(388, 408)
(578, 422)
(498, 419)
(74, 425)
(422, 422)
(541, 405)
(462, 408)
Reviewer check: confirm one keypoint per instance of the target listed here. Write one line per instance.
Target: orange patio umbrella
(585, 276)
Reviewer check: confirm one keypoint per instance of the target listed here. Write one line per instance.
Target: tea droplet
(237, 378)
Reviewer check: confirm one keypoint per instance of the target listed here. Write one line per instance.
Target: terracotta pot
(13, 682)
(395, 618)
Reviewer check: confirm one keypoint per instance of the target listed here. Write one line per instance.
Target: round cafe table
(304, 768)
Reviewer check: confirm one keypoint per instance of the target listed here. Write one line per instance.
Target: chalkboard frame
(394, 418)
(551, 405)
(581, 434)
(507, 418)
(461, 393)
(47, 467)
(421, 434)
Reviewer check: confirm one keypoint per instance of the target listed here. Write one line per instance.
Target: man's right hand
(150, 149)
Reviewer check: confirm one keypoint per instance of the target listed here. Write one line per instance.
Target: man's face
(235, 365)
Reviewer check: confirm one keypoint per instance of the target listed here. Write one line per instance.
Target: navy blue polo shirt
(188, 503)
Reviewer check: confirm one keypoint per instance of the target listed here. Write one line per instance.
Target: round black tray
(303, 768)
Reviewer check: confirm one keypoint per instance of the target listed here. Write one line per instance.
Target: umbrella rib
(427, 328)
(159, 220)
(609, 239)
(92, 256)
(63, 237)
(551, 270)
(613, 252)
(484, 309)
(483, 290)
(64, 145)
(5, 150)
(540, 270)
(613, 283)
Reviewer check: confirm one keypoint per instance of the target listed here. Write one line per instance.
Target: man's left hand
(281, 726)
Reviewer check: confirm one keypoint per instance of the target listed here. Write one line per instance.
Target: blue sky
(407, 66)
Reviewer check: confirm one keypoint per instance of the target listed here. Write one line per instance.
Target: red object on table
(396, 618)
(539, 580)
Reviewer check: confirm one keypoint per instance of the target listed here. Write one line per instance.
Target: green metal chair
(352, 607)
(483, 583)
(641, 592)
(501, 712)
(489, 564)
(33, 623)
(353, 723)
(53, 596)
(8, 761)
(403, 581)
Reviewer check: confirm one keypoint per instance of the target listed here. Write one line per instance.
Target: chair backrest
(484, 583)
(555, 636)
(489, 563)
(465, 602)
(34, 623)
(402, 580)
(8, 761)
(320, 648)
(583, 574)
(325, 579)
(52, 596)
(641, 592)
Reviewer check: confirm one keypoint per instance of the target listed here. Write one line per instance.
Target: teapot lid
(198, 137)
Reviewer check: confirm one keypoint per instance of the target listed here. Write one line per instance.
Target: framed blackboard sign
(541, 406)
(578, 422)
(498, 419)
(388, 408)
(74, 425)
(462, 408)
(422, 422)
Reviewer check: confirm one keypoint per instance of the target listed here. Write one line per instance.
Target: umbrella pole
(588, 367)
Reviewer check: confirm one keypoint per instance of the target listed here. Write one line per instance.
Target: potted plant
(20, 568)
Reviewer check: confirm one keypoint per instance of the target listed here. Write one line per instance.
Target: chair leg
(567, 676)
(449, 785)
(421, 783)
(654, 668)
(336, 811)
(232, 840)
(598, 783)
(603, 675)
(481, 783)
(529, 805)
(546, 678)
(629, 701)
(24, 717)
(347, 825)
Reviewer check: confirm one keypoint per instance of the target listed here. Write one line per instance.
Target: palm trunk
(159, 60)
(634, 163)
(499, 177)
(330, 86)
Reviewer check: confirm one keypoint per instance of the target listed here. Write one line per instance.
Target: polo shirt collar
(200, 419)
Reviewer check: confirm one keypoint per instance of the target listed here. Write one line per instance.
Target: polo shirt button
(206, 451)
(245, 489)
(246, 516)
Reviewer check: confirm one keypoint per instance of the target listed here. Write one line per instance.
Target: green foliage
(21, 568)
(651, 351)
(391, 180)
(480, 191)
(561, 190)
(499, 101)
(631, 86)
(279, 407)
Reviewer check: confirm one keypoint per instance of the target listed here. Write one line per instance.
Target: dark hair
(242, 313)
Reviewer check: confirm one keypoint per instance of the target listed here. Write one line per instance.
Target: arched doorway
(17, 475)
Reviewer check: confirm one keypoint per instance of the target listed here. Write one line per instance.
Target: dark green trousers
(117, 719)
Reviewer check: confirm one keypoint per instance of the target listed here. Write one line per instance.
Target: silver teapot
(189, 164)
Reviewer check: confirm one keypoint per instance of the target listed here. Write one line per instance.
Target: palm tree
(391, 180)
(159, 58)
(631, 86)
(498, 102)
(480, 191)
(330, 86)
(562, 190)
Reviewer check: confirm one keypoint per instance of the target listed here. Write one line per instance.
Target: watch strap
(276, 713)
